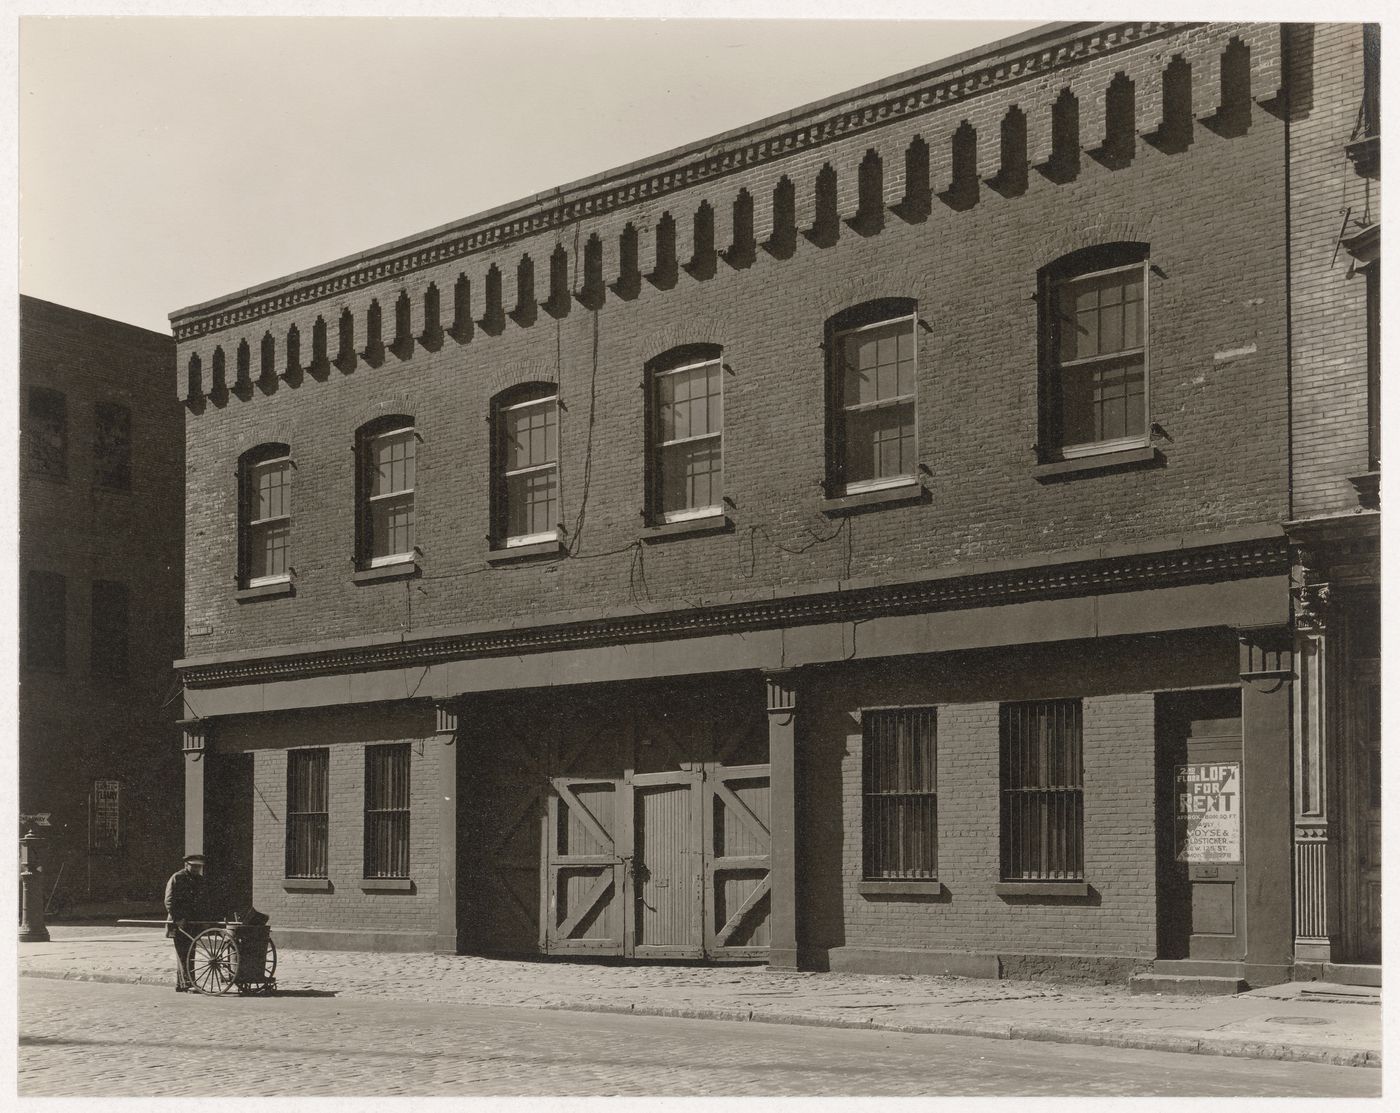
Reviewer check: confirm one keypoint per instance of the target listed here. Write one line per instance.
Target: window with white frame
(526, 482)
(388, 464)
(266, 480)
(1095, 390)
(872, 393)
(687, 434)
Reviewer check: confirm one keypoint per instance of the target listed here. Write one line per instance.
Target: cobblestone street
(88, 1039)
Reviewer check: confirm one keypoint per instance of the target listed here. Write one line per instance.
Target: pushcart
(227, 955)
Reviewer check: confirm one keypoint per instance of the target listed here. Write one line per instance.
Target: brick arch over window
(265, 474)
(871, 390)
(696, 330)
(386, 454)
(1094, 342)
(397, 403)
(525, 503)
(1107, 228)
(891, 284)
(685, 433)
(278, 432)
(511, 376)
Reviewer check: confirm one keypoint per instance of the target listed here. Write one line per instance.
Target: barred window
(47, 432)
(1042, 791)
(110, 618)
(687, 434)
(111, 446)
(525, 479)
(871, 423)
(899, 760)
(387, 782)
(266, 517)
(46, 621)
(308, 807)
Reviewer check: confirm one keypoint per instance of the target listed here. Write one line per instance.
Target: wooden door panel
(584, 886)
(738, 847)
(666, 876)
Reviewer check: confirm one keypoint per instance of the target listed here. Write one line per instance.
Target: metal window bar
(900, 815)
(387, 796)
(308, 806)
(1042, 798)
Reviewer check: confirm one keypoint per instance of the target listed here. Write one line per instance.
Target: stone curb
(1185, 1045)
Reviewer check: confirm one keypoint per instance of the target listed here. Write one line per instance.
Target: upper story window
(1094, 384)
(111, 446)
(525, 473)
(265, 479)
(871, 389)
(388, 461)
(47, 428)
(686, 434)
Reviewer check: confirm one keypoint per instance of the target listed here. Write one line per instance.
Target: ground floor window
(386, 810)
(900, 792)
(1042, 791)
(308, 808)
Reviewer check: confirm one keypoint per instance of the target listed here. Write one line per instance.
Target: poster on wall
(106, 815)
(1208, 812)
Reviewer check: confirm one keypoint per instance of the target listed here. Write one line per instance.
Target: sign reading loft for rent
(1208, 812)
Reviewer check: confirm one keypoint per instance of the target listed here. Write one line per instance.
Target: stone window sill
(861, 500)
(690, 527)
(306, 884)
(265, 591)
(525, 552)
(922, 887)
(403, 570)
(1042, 889)
(386, 885)
(1103, 461)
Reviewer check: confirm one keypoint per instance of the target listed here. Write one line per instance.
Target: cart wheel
(270, 966)
(213, 961)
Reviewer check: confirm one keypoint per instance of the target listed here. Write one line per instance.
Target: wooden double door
(651, 808)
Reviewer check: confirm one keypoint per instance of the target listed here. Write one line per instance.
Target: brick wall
(1117, 919)
(76, 724)
(1328, 296)
(346, 907)
(1211, 213)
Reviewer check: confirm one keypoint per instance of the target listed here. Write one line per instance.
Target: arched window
(525, 466)
(265, 516)
(1094, 395)
(386, 452)
(685, 434)
(871, 392)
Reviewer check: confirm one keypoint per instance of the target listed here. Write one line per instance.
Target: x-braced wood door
(738, 846)
(665, 895)
(584, 871)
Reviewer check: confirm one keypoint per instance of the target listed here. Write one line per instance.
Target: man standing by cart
(184, 901)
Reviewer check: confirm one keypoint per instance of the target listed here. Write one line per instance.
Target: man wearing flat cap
(184, 902)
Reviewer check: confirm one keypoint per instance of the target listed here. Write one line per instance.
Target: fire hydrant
(31, 891)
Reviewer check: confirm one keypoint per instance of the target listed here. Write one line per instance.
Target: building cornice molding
(706, 161)
(1134, 571)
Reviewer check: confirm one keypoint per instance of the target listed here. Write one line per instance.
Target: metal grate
(307, 812)
(386, 810)
(1042, 791)
(900, 778)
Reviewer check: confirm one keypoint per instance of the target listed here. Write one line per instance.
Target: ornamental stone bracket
(781, 688)
(1266, 655)
(446, 720)
(194, 737)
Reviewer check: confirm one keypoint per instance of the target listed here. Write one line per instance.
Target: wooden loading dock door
(658, 865)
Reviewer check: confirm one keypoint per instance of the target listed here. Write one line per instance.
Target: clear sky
(168, 161)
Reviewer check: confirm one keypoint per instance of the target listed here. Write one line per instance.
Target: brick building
(101, 570)
(862, 539)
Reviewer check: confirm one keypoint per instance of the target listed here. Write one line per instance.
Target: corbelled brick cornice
(1130, 572)
(691, 166)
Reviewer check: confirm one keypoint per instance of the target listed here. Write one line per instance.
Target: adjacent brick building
(101, 571)
(847, 541)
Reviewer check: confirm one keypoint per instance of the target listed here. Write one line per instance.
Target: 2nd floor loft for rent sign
(1207, 797)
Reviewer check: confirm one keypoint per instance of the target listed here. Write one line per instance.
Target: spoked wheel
(213, 961)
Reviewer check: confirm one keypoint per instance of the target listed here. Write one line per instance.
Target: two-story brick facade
(845, 541)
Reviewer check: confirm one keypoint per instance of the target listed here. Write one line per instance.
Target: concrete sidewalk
(1305, 1021)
